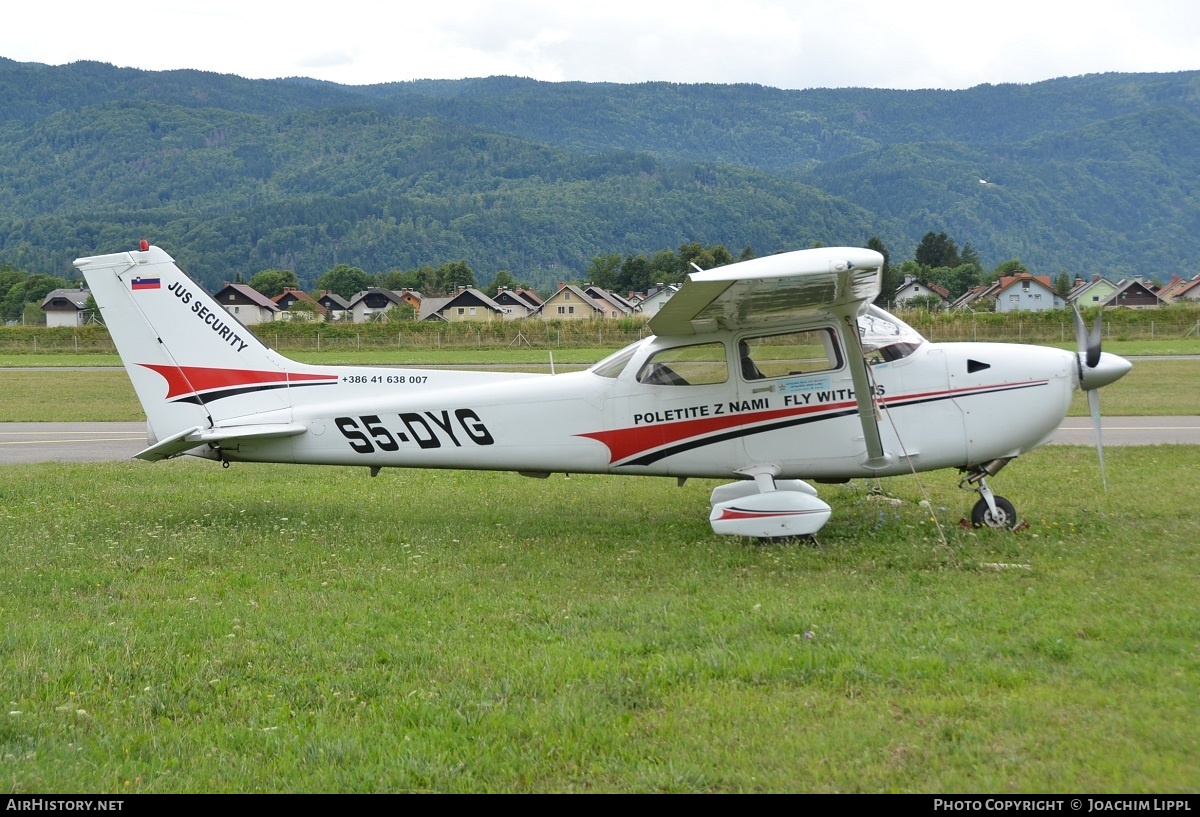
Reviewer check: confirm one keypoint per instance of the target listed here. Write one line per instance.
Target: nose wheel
(990, 511)
(1003, 515)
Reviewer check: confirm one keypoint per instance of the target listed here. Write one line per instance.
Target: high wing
(777, 290)
(782, 291)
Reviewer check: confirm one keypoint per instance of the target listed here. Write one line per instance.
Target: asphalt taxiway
(112, 442)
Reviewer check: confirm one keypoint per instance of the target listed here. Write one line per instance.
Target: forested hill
(1086, 174)
(783, 131)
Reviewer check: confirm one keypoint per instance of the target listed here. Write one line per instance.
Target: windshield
(614, 364)
(885, 337)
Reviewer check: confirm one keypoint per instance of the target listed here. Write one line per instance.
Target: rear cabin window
(699, 365)
(787, 354)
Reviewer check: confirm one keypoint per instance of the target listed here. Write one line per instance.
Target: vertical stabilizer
(192, 363)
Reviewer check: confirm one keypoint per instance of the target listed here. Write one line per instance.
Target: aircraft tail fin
(192, 363)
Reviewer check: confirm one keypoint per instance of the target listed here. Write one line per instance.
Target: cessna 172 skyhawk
(765, 372)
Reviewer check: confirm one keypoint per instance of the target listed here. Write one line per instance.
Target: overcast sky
(796, 44)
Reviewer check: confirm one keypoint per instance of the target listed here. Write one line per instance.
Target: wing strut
(868, 413)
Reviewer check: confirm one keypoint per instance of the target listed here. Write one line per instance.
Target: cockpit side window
(791, 353)
(697, 365)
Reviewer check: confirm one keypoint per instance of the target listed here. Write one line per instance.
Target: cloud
(797, 44)
(327, 59)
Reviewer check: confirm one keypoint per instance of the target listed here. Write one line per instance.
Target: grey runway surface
(1130, 431)
(111, 442)
(70, 442)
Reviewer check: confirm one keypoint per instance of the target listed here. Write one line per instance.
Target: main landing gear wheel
(1005, 516)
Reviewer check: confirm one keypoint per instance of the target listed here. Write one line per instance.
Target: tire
(1005, 517)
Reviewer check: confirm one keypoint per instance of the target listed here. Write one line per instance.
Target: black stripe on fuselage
(220, 394)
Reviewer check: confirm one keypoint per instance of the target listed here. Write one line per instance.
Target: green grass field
(178, 627)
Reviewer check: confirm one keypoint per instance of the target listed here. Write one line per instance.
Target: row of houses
(67, 307)
(1035, 293)
(1023, 292)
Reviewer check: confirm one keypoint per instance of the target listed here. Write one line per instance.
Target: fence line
(531, 334)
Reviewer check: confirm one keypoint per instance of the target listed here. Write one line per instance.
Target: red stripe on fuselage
(625, 443)
(187, 380)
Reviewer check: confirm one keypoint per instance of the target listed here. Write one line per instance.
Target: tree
(455, 274)
(91, 311)
(970, 256)
(13, 303)
(937, 250)
(721, 256)
(604, 269)
(667, 266)
(274, 282)
(425, 281)
(930, 303)
(397, 279)
(504, 279)
(32, 315)
(703, 257)
(10, 278)
(345, 280)
(889, 281)
(1009, 267)
(957, 280)
(33, 289)
(303, 311)
(635, 275)
(39, 285)
(1062, 284)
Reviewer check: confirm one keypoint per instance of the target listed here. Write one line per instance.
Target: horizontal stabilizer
(173, 446)
(186, 440)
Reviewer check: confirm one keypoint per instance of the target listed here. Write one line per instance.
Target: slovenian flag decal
(145, 283)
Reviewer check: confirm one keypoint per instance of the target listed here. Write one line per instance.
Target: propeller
(1089, 356)
(1096, 369)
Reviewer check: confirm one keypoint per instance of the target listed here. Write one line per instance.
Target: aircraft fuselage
(944, 405)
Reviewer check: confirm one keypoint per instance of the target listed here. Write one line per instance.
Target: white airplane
(765, 372)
